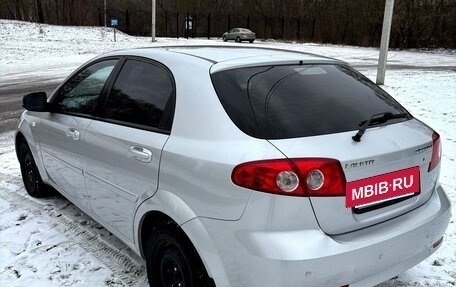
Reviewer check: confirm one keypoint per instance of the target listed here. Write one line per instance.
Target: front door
(62, 130)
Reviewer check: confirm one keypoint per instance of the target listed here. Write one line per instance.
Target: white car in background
(239, 35)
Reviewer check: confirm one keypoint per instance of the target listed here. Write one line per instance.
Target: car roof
(229, 57)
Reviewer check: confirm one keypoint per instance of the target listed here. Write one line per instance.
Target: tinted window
(277, 102)
(81, 92)
(140, 95)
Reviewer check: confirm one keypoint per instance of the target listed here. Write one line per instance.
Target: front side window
(80, 94)
(140, 95)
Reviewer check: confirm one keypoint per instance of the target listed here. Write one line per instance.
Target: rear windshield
(278, 102)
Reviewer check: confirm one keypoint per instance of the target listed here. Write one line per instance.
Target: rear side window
(140, 96)
(278, 102)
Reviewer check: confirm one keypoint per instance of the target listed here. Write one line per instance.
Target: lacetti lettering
(359, 163)
(383, 187)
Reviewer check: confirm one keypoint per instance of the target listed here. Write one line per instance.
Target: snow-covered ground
(49, 242)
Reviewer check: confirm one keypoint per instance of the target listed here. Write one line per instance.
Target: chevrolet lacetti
(233, 166)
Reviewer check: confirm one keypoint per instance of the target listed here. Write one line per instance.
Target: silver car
(239, 35)
(234, 166)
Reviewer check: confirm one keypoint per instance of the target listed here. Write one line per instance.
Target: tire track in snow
(126, 270)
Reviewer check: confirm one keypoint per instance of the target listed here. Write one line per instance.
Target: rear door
(62, 131)
(123, 147)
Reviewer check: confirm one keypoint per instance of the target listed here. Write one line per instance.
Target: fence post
(127, 21)
(187, 24)
(299, 28)
(229, 22)
(194, 23)
(283, 24)
(209, 25)
(265, 27)
(99, 18)
(313, 30)
(177, 24)
(166, 24)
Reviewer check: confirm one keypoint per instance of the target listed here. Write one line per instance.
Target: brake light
(436, 151)
(296, 177)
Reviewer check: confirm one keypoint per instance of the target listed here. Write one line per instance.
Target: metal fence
(199, 25)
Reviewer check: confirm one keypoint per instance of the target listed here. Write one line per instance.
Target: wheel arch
(25, 135)
(162, 206)
(166, 206)
(19, 139)
(148, 222)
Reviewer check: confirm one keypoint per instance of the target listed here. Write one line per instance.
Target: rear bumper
(255, 252)
(247, 37)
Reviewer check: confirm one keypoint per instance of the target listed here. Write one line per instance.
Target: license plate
(382, 188)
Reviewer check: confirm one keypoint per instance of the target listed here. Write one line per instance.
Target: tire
(238, 39)
(172, 260)
(251, 41)
(30, 175)
(224, 39)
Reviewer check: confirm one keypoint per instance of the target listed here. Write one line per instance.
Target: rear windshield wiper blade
(377, 119)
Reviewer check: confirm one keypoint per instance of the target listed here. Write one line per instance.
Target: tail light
(436, 151)
(296, 177)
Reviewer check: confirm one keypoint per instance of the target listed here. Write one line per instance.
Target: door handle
(72, 133)
(140, 153)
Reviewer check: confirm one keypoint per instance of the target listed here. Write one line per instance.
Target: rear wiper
(376, 119)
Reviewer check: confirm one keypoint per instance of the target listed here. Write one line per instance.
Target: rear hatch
(381, 152)
(247, 33)
(313, 111)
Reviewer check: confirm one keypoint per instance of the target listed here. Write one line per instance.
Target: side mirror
(35, 102)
